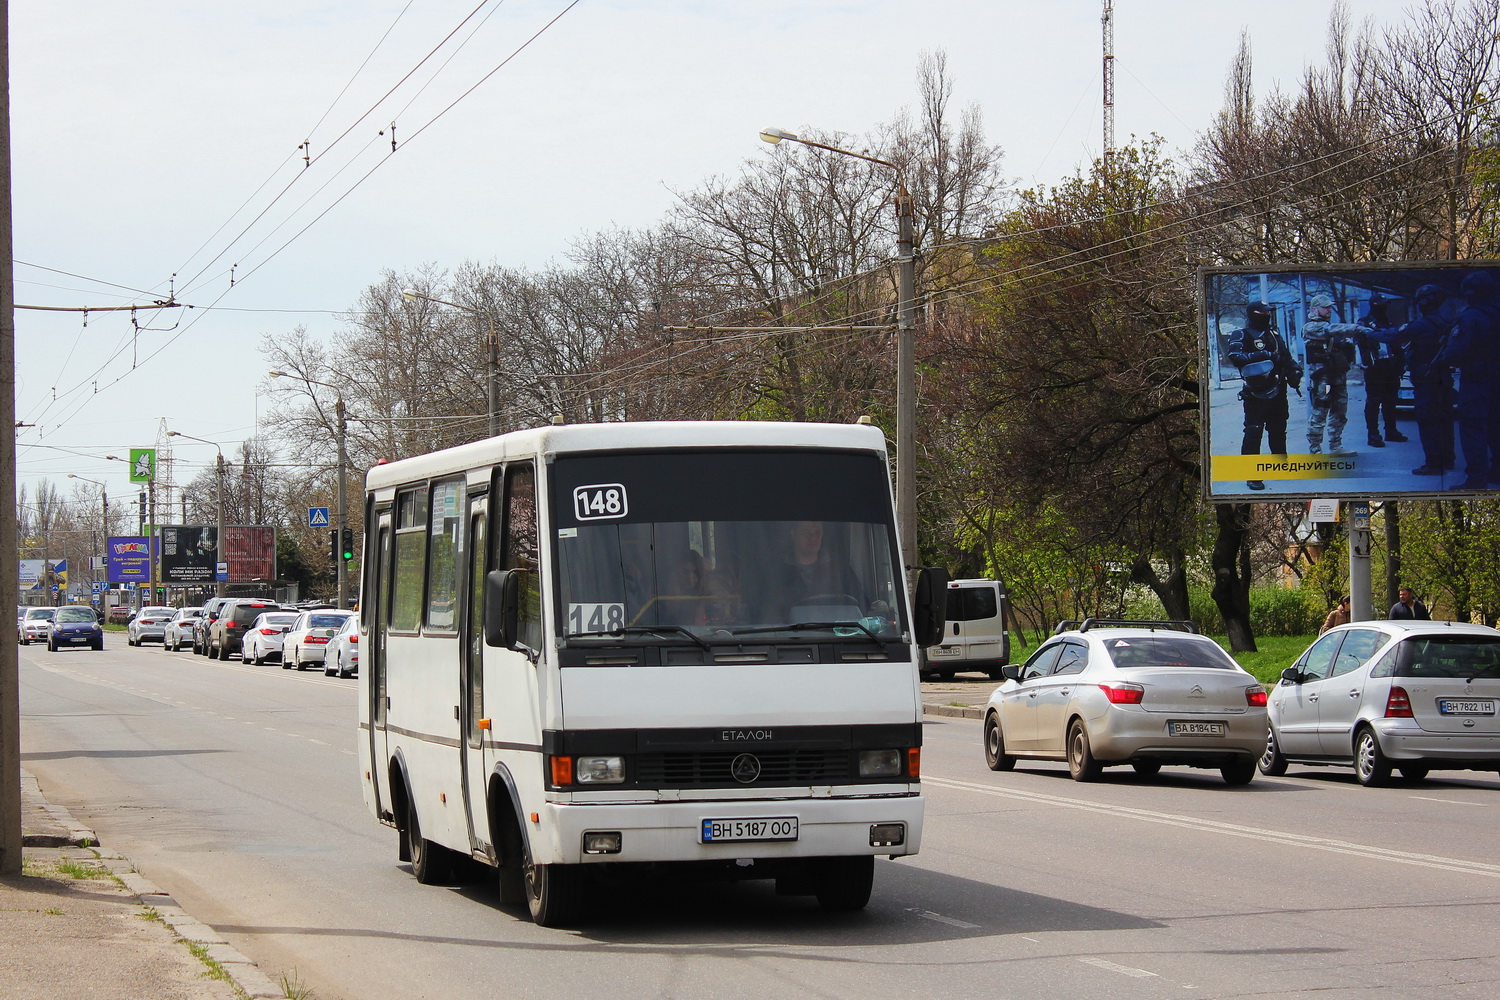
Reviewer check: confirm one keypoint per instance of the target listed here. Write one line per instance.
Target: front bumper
(670, 831)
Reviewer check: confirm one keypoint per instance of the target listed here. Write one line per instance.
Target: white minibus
(637, 644)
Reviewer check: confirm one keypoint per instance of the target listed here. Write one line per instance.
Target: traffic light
(333, 544)
(347, 550)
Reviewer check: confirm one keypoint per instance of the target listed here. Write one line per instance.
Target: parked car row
(1377, 696)
(262, 631)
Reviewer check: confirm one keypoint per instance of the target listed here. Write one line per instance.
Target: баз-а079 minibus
(631, 644)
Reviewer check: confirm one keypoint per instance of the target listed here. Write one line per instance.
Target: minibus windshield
(695, 546)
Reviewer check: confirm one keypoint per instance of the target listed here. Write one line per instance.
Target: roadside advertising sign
(130, 559)
(1349, 381)
(188, 553)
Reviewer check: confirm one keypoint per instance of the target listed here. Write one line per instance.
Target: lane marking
(1229, 829)
(950, 921)
(1124, 970)
(1451, 802)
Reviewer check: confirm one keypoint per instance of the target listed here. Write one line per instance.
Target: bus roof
(574, 438)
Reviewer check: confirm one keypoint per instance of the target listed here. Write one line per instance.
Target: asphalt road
(234, 788)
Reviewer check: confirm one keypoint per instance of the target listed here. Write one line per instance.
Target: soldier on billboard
(1383, 360)
(1330, 352)
(1432, 384)
(1472, 349)
(1267, 366)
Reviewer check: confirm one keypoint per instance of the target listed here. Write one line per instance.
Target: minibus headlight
(599, 770)
(880, 763)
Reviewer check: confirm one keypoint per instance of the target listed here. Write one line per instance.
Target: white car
(149, 625)
(342, 656)
(263, 639)
(36, 626)
(179, 629)
(306, 642)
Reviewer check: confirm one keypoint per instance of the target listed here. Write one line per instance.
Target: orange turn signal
(484, 723)
(914, 762)
(562, 770)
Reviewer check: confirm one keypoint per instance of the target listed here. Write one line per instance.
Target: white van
(975, 637)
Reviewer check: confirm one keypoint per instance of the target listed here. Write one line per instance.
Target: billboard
(1350, 380)
(250, 551)
(189, 553)
(129, 559)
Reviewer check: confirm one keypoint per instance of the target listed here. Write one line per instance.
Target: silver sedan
(1106, 692)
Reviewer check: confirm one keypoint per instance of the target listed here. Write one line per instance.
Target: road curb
(954, 711)
(243, 973)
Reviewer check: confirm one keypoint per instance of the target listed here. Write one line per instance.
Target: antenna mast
(1109, 84)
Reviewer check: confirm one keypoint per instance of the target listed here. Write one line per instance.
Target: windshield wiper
(806, 625)
(615, 633)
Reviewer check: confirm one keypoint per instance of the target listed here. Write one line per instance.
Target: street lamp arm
(775, 135)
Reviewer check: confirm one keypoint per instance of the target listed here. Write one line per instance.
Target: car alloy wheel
(1371, 765)
(1271, 762)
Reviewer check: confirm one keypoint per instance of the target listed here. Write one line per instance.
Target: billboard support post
(1360, 606)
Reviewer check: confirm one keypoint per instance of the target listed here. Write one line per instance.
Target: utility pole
(343, 567)
(10, 679)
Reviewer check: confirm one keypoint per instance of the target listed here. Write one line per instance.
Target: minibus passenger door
(375, 656)
(471, 698)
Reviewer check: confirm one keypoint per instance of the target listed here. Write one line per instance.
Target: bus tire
(552, 892)
(431, 863)
(844, 884)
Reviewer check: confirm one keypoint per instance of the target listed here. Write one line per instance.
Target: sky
(158, 153)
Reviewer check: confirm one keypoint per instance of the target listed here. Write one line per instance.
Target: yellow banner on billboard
(1247, 467)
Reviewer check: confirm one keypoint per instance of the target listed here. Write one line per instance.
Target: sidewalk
(80, 924)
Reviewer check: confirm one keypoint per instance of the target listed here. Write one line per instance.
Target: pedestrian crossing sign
(317, 517)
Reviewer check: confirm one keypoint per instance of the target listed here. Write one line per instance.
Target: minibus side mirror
(930, 606)
(502, 607)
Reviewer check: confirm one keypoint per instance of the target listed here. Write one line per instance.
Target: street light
(338, 408)
(906, 368)
(104, 501)
(412, 295)
(220, 586)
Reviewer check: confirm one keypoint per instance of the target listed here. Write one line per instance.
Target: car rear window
(326, 621)
(1153, 650)
(967, 604)
(278, 619)
(1441, 656)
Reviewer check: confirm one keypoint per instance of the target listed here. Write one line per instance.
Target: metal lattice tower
(1109, 82)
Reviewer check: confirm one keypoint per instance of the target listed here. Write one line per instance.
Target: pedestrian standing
(1265, 363)
(1408, 607)
(1338, 616)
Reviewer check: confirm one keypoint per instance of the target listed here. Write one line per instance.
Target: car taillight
(353, 638)
(269, 631)
(1123, 694)
(1255, 696)
(1398, 704)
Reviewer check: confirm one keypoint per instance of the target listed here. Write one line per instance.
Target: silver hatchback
(1382, 695)
(1104, 692)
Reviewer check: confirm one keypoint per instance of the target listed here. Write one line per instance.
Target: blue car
(75, 625)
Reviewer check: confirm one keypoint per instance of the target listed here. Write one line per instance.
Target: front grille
(711, 768)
